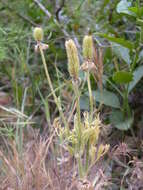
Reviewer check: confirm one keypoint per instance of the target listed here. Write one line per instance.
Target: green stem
(134, 61)
(91, 116)
(52, 89)
(19, 127)
(126, 104)
(90, 95)
(80, 166)
(128, 111)
(77, 94)
(87, 157)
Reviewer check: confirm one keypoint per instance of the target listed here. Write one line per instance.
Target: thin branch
(43, 9)
(59, 10)
(49, 15)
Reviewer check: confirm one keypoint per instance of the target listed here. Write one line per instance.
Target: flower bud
(38, 34)
(88, 48)
(73, 59)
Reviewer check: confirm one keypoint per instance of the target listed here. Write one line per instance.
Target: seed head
(73, 59)
(38, 34)
(88, 48)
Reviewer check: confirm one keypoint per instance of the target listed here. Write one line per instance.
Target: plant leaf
(123, 7)
(84, 102)
(140, 22)
(138, 74)
(122, 77)
(121, 41)
(118, 120)
(122, 52)
(107, 98)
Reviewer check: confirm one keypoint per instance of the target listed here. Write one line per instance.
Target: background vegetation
(27, 107)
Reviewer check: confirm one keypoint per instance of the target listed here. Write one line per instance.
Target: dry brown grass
(39, 169)
(26, 172)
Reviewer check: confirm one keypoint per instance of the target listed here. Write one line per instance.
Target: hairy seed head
(73, 59)
(88, 48)
(38, 34)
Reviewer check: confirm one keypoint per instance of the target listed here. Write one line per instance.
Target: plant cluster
(76, 118)
(84, 135)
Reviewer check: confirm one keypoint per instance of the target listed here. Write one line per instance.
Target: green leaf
(119, 121)
(137, 11)
(134, 10)
(84, 102)
(122, 52)
(140, 56)
(107, 98)
(123, 7)
(122, 77)
(121, 41)
(2, 54)
(140, 22)
(138, 74)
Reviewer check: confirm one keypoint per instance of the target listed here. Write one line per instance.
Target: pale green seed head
(38, 34)
(88, 48)
(73, 59)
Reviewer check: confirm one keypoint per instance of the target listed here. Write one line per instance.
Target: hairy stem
(58, 104)
(77, 94)
(90, 95)
(87, 157)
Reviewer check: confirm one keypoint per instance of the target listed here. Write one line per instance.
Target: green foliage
(121, 121)
(121, 41)
(137, 75)
(122, 53)
(118, 31)
(123, 7)
(122, 77)
(105, 97)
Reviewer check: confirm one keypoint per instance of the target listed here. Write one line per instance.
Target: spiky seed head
(102, 149)
(73, 59)
(88, 48)
(38, 34)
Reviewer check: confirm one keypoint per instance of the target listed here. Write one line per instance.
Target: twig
(43, 8)
(49, 15)
(59, 10)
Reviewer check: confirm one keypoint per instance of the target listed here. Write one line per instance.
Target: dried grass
(26, 172)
